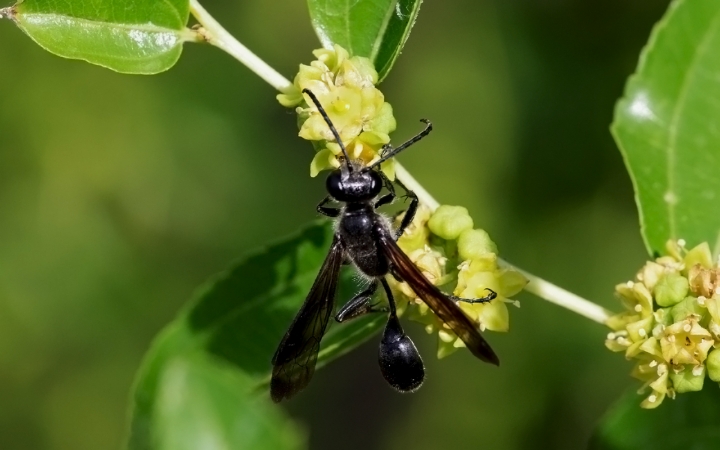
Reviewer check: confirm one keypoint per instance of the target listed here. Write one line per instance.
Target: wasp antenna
(391, 152)
(332, 127)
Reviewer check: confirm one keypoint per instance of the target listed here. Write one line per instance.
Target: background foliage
(121, 194)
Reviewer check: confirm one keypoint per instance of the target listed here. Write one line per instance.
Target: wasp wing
(295, 358)
(443, 307)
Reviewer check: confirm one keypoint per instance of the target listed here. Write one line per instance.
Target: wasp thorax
(356, 186)
(400, 362)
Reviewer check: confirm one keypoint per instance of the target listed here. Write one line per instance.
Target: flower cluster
(671, 325)
(444, 245)
(345, 87)
(456, 257)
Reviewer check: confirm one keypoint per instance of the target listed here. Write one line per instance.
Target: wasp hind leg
(360, 305)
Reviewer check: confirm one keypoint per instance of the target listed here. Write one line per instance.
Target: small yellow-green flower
(345, 87)
(462, 260)
(686, 342)
(671, 322)
(443, 244)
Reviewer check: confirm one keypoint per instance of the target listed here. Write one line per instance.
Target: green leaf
(688, 422)
(203, 404)
(666, 127)
(376, 29)
(235, 324)
(134, 36)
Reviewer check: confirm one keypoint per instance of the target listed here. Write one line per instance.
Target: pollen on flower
(671, 322)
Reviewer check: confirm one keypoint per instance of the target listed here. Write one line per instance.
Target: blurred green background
(120, 194)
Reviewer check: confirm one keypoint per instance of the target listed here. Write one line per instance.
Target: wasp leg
(488, 298)
(359, 305)
(410, 213)
(390, 196)
(327, 211)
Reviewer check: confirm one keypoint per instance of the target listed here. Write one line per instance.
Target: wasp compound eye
(334, 184)
(400, 362)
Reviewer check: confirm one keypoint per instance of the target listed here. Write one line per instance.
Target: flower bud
(688, 379)
(713, 365)
(670, 289)
(474, 244)
(448, 222)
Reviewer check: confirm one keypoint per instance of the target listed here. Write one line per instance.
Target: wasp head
(354, 186)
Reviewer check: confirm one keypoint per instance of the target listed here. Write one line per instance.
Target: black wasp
(366, 239)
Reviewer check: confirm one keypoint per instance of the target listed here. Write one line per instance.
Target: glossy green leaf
(135, 36)
(666, 127)
(377, 29)
(691, 421)
(236, 323)
(204, 404)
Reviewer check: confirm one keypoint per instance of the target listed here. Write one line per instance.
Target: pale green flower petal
(324, 159)
(383, 122)
(511, 282)
(388, 167)
(686, 308)
(699, 255)
(494, 316)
